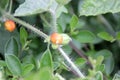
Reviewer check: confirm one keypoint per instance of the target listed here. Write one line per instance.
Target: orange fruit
(10, 25)
(56, 38)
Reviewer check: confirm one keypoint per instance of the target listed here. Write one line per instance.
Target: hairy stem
(28, 26)
(72, 65)
(80, 53)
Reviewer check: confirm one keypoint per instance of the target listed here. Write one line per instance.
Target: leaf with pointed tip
(46, 60)
(23, 36)
(108, 60)
(73, 22)
(13, 64)
(106, 36)
(85, 36)
(27, 68)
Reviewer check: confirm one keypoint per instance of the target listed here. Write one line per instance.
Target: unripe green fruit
(66, 39)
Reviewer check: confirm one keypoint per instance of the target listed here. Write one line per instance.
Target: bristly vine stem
(80, 53)
(40, 33)
(72, 65)
(28, 26)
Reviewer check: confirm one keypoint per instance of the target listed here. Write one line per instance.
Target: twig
(72, 65)
(28, 26)
(80, 53)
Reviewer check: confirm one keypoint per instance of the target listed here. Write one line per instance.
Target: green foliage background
(93, 26)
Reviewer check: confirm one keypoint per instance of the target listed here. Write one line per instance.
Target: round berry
(10, 25)
(56, 38)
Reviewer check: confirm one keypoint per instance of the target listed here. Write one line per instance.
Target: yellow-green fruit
(66, 39)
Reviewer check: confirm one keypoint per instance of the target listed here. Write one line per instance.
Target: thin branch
(80, 53)
(72, 65)
(28, 26)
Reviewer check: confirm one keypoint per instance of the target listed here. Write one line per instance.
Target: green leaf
(4, 3)
(46, 60)
(98, 76)
(118, 36)
(67, 49)
(13, 64)
(45, 74)
(59, 28)
(5, 36)
(30, 7)
(2, 63)
(54, 6)
(27, 68)
(100, 67)
(80, 61)
(99, 60)
(28, 59)
(20, 1)
(23, 36)
(11, 47)
(61, 10)
(73, 22)
(63, 2)
(96, 7)
(106, 36)
(63, 21)
(85, 36)
(56, 65)
(108, 60)
(63, 66)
